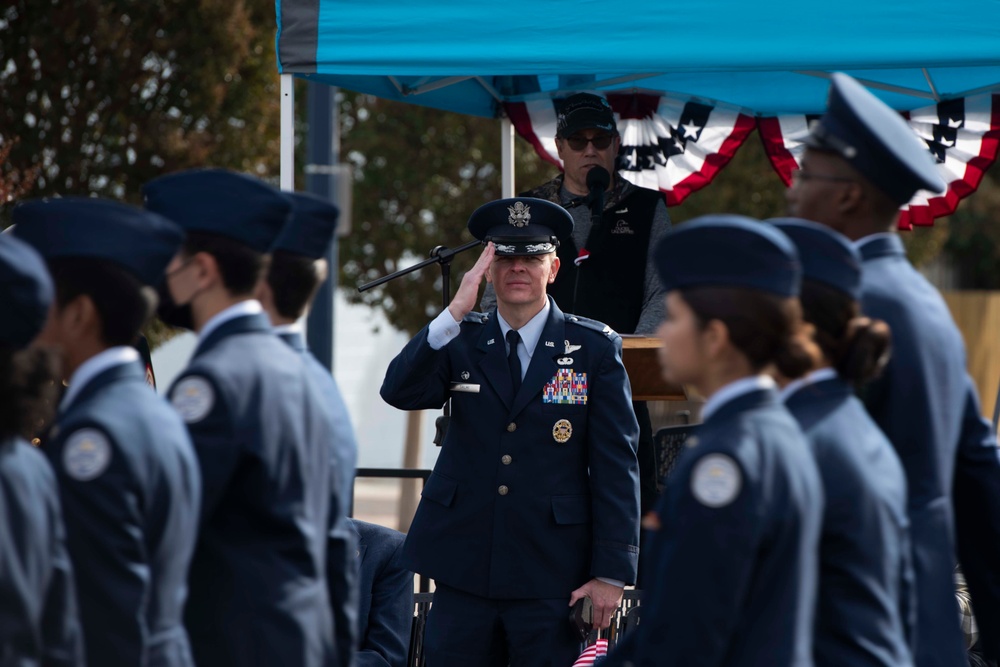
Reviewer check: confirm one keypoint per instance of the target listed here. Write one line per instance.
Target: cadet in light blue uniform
(534, 500)
(261, 433)
(866, 594)
(298, 268)
(127, 473)
(735, 536)
(39, 623)
(862, 164)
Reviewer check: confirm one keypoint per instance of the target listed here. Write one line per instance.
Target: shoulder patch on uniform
(716, 480)
(592, 324)
(86, 454)
(193, 398)
(476, 318)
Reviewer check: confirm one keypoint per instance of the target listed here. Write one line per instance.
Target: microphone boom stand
(442, 256)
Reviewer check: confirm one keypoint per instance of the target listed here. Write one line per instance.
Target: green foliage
(748, 185)
(108, 94)
(974, 241)
(418, 175)
(105, 95)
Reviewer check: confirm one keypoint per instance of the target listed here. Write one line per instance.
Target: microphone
(598, 180)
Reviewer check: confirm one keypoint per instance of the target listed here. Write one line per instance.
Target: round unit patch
(562, 431)
(193, 398)
(86, 454)
(716, 480)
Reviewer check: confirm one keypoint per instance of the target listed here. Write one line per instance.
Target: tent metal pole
(287, 154)
(507, 156)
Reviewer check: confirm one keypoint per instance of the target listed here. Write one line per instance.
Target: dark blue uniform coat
(864, 616)
(39, 623)
(342, 566)
(258, 589)
(926, 404)
(734, 584)
(509, 511)
(132, 527)
(386, 612)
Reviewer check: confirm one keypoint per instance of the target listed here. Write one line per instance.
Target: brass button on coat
(506, 459)
(503, 490)
(511, 427)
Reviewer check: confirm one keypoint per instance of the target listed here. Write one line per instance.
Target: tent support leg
(507, 157)
(287, 155)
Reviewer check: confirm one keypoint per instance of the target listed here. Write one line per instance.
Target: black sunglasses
(601, 141)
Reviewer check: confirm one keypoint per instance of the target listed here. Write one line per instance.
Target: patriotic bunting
(678, 147)
(669, 145)
(962, 134)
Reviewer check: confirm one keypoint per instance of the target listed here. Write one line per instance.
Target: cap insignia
(520, 214)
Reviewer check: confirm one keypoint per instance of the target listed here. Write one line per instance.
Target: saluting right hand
(465, 299)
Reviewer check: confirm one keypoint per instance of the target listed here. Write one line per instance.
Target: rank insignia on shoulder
(193, 398)
(716, 480)
(86, 455)
(562, 431)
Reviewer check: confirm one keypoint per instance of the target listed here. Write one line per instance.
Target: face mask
(172, 313)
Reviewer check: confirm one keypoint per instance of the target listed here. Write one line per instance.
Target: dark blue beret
(141, 242)
(220, 202)
(521, 225)
(25, 292)
(728, 251)
(310, 229)
(827, 257)
(875, 140)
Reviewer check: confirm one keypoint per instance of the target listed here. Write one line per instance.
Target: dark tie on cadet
(514, 361)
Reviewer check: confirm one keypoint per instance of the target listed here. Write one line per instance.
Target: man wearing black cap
(261, 433)
(862, 163)
(607, 272)
(533, 503)
(127, 472)
(298, 267)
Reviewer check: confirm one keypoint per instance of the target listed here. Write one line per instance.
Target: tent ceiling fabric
(763, 59)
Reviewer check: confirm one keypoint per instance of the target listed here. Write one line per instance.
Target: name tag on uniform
(465, 387)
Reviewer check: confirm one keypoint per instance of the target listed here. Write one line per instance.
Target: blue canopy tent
(759, 61)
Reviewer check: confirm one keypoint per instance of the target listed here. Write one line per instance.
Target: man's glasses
(803, 175)
(601, 141)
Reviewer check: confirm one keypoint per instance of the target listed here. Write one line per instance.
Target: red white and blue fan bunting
(963, 135)
(669, 145)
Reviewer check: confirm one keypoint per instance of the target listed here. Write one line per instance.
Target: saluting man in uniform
(298, 268)
(261, 433)
(862, 163)
(533, 503)
(127, 472)
(41, 624)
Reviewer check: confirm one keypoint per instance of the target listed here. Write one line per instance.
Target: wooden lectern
(640, 356)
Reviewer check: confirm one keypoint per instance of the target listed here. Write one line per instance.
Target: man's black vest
(610, 284)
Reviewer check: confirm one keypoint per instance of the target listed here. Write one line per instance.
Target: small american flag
(599, 649)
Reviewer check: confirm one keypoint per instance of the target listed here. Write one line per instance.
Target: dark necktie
(514, 361)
